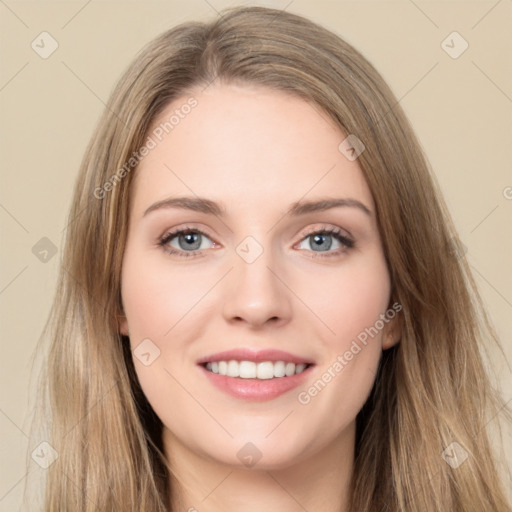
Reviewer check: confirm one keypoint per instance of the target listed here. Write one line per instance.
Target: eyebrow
(202, 205)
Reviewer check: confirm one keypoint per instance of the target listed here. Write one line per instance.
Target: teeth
(248, 370)
(251, 370)
(265, 370)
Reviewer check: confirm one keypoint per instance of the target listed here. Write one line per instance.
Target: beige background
(461, 109)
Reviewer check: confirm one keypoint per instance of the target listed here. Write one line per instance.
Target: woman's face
(279, 251)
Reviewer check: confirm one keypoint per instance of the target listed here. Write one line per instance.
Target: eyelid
(329, 228)
(184, 229)
(347, 242)
(163, 241)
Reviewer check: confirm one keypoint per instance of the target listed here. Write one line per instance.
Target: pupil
(322, 242)
(190, 241)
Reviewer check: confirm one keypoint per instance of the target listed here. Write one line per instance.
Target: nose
(255, 294)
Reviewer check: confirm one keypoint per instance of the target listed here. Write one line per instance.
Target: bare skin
(255, 152)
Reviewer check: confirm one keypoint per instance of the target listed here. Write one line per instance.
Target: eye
(189, 242)
(330, 241)
(185, 241)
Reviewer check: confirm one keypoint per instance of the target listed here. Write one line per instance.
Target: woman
(261, 301)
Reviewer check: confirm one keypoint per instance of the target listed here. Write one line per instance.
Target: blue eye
(185, 241)
(328, 241)
(190, 242)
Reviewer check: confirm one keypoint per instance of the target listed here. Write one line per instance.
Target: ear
(392, 332)
(122, 323)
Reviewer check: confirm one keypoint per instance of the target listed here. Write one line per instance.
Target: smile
(263, 370)
(256, 382)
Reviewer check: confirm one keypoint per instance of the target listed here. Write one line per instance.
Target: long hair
(431, 390)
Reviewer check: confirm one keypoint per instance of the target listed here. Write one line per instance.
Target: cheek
(157, 294)
(162, 303)
(351, 305)
(157, 301)
(349, 300)
(335, 305)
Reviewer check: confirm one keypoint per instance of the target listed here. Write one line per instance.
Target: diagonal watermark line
(282, 10)
(200, 404)
(209, 83)
(439, 471)
(70, 221)
(421, 491)
(81, 490)
(82, 286)
(106, 106)
(198, 301)
(93, 406)
(303, 196)
(211, 6)
(14, 218)
(13, 279)
(220, 220)
(280, 423)
(14, 76)
(80, 80)
(404, 95)
(2, 411)
(219, 14)
(492, 211)
(13, 13)
(14, 486)
(76, 14)
(286, 491)
(216, 487)
(503, 407)
(492, 81)
(301, 301)
(496, 290)
(424, 14)
(485, 15)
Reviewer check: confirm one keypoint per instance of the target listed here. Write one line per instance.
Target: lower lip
(256, 390)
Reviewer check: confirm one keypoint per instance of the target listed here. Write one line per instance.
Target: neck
(320, 482)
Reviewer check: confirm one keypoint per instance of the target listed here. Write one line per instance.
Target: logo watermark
(157, 135)
(342, 360)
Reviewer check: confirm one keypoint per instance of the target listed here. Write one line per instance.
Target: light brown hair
(431, 388)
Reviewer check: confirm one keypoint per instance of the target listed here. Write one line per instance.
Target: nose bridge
(255, 292)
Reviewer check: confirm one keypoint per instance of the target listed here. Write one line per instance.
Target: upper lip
(247, 354)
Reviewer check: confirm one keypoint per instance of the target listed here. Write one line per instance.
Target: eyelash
(181, 231)
(345, 241)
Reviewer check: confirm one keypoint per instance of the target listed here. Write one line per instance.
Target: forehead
(247, 143)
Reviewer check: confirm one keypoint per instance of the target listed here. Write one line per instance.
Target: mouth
(264, 370)
(255, 376)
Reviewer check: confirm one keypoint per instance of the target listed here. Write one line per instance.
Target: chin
(261, 454)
